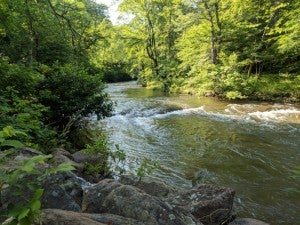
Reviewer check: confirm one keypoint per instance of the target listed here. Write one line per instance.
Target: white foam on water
(199, 110)
(262, 115)
(84, 184)
(275, 115)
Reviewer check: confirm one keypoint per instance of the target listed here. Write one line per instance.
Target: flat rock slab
(62, 217)
(58, 217)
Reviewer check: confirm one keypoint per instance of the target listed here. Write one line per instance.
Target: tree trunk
(151, 46)
(215, 26)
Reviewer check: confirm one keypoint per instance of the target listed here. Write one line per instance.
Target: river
(250, 146)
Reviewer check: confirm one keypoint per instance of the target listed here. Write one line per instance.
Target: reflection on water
(251, 147)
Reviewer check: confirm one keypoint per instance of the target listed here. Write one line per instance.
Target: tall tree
(153, 27)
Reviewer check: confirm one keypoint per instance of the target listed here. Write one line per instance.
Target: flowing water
(251, 147)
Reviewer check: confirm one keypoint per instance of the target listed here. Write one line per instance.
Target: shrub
(71, 94)
(101, 151)
(19, 77)
(25, 115)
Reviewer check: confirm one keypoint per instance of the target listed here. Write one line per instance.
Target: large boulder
(148, 185)
(110, 196)
(210, 204)
(63, 191)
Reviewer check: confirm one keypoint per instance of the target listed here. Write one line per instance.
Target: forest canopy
(48, 80)
(232, 49)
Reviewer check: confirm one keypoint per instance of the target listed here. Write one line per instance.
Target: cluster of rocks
(69, 199)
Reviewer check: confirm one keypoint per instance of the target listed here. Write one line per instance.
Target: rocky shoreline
(70, 200)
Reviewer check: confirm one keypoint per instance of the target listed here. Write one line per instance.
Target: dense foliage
(48, 77)
(49, 82)
(233, 49)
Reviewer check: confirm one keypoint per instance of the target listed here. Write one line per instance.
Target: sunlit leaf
(23, 214)
(65, 167)
(36, 205)
(12, 143)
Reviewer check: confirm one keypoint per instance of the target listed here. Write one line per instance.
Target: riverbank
(69, 199)
(280, 88)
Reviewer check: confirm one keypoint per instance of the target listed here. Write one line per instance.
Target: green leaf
(1, 139)
(12, 143)
(38, 193)
(65, 167)
(9, 131)
(36, 205)
(23, 214)
(28, 166)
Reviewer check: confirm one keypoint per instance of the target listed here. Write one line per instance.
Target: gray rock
(113, 219)
(62, 217)
(29, 152)
(209, 204)
(80, 156)
(150, 186)
(60, 151)
(247, 221)
(25, 153)
(63, 156)
(87, 160)
(58, 217)
(62, 191)
(109, 196)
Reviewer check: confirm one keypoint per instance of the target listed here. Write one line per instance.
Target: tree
(46, 50)
(151, 36)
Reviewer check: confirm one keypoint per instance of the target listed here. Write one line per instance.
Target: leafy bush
(25, 115)
(235, 95)
(281, 85)
(108, 160)
(16, 179)
(146, 167)
(71, 94)
(101, 151)
(19, 77)
(8, 138)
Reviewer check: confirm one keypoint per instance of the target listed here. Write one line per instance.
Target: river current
(251, 147)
